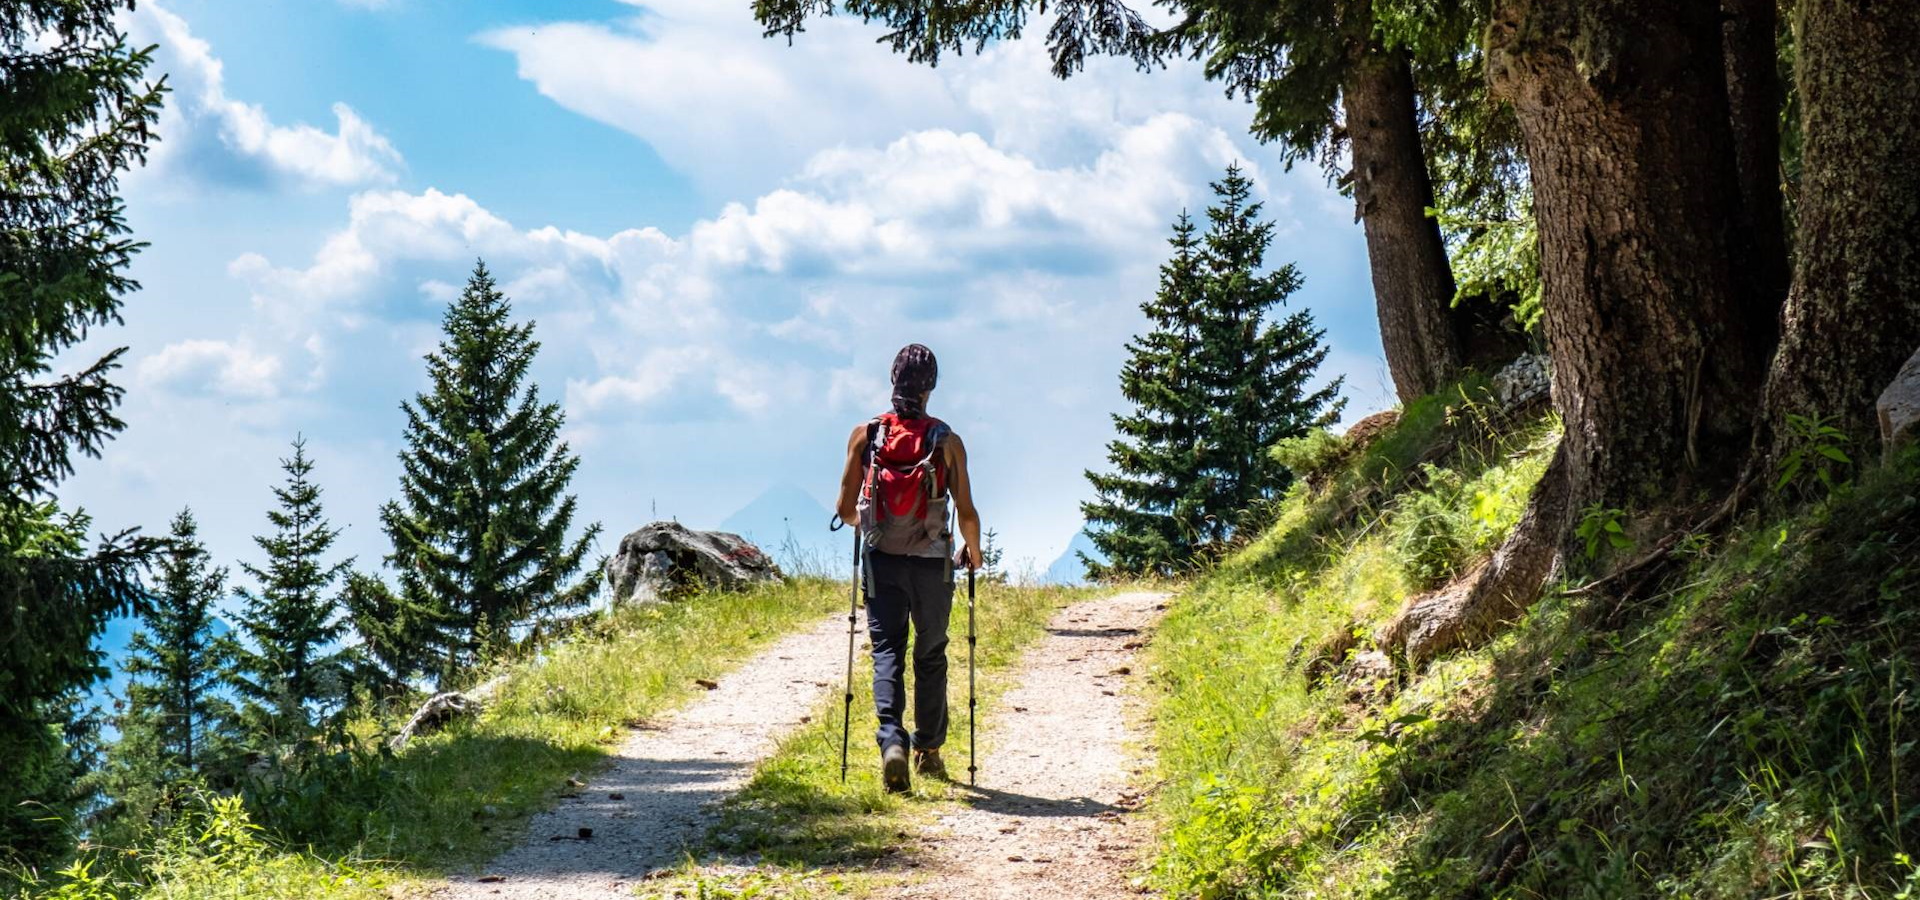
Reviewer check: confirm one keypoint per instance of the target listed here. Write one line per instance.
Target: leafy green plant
(1495, 258)
(1309, 454)
(1431, 530)
(1814, 446)
(1600, 524)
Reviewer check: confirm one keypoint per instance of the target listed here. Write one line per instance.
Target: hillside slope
(1741, 730)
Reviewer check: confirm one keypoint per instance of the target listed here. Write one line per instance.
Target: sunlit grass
(1744, 733)
(458, 796)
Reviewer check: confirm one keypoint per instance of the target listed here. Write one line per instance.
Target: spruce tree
(178, 662)
(1144, 520)
(393, 635)
(1215, 384)
(75, 111)
(1255, 370)
(480, 530)
(293, 667)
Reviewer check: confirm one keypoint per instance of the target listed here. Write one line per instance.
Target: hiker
(903, 468)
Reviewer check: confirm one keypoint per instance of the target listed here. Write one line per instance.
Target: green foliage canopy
(74, 113)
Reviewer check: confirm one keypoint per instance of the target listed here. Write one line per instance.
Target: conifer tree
(75, 111)
(294, 667)
(1255, 370)
(394, 635)
(480, 530)
(178, 662)
(1144, 519)
(1214, 384)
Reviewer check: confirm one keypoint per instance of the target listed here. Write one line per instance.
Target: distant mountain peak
(1068, 569)
(791, 525)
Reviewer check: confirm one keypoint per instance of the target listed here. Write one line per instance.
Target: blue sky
(723, 239)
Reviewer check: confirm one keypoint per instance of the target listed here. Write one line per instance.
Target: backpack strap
(876, 436)
(935, 435)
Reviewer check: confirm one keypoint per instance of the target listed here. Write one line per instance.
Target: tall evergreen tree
(294, 666)
(74, 113)
(480, 530)
(1146, 517)
(394, 635)
(1256, 371)
(1215, 384)
(178, 661)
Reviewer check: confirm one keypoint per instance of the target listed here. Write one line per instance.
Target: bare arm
(848, 505)
(961, 486)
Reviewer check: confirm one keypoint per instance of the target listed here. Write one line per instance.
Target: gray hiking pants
(909, 590)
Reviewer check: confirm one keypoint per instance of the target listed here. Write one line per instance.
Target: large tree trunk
(1412, 279)
(1753, 97)
(1623, 107)
(1624, 111)
(1853, 315)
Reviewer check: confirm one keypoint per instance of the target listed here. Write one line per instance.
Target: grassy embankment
(365, 822)
(1742, 732)
(802, 833)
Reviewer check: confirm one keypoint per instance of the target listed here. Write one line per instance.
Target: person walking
(904, 483)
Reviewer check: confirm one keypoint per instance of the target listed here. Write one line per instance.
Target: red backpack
(903, 507)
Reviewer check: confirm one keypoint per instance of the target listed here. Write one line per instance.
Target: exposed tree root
(1479, 604)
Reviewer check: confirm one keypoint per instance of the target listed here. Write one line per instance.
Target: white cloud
(863, 245)
(354, 153)
(739, 112)
(1011, 221)
(211, 366)
(695, 79)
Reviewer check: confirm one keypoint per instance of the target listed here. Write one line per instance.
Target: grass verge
(801, 833)
(1745, 732)
(456, 797)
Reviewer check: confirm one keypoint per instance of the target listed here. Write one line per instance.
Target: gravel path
(651, 802)
(1052, 815)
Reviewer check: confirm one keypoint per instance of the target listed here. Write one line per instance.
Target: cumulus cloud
(1011, 221)
(216, 367)
(734, 109)
(354, 153)
(696, 80)
(935, 229)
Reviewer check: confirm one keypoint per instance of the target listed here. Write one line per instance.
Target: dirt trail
(651, 802)
(1052, 816)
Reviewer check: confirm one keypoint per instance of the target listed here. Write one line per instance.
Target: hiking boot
(893, 768)
(929, 763)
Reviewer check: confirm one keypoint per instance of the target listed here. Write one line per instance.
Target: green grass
(1743, 733)
(458, 796)
(213, 851)
(808, 834)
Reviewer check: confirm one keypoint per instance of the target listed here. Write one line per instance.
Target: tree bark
(1647, 313)
(1623, 107)
(1750, 40)
(1412, 280)
(1853, 315)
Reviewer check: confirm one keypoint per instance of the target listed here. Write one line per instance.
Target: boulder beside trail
(665, 560)
(1899, 406)
(1369, 429)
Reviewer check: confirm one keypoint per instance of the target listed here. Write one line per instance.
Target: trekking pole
(973, 710)
(853, 611)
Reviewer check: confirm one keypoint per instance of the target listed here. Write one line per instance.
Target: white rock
(1522, 382)
(1899, 406)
